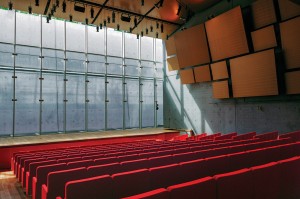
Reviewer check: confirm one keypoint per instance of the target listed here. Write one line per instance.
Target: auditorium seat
(295, 135)
(217, 164)
(161, 161)
(201, 188)
(131, 183)
(225, 136)
(245, 136)
(194, 169)
(164, 176)
(154, 194)
(135, 164)
(235, 185)
(268, 136)
(80, 163)
(104, 169)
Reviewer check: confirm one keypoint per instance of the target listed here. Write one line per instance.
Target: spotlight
(113, 17)
(108, 19)
(125, 18)
(167, 37)
(162, 28)
(97, 28)
(57, 3)
(54, 7)
(147, 30)
(151, 28)
(135, 21)
(70, 17)
(142, 2)
(156, 34)
(142, 34)
(64, 6)
(161, 3)
(137, 36)
(118, 27)
(30, 9)
(104, 23)
(130, 30)
(37, 2)
(86, 21)
(47, 19)
(79, 7)
(157, 25)
(10, 5)
(49, 16)
(92, 12)
(101, 25)
(179, 10)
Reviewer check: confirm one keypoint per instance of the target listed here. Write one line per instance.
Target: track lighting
(135, 21)
(92, 12)
(64, 6)
(130, 30)
(113, 17)
(30, 9)
(86, 21)
(118, 27)
(47, 19)
(157, 25)
(156, 34)
(142, 33)
(70, 17)
(49, 16)
(37, 2)
(108, 19)
(147, 31)
(10, 5)
(151, 28)
(179, 10)
(142, 2)
(104, 23)
(97, 28)
(137, 36)
(101, 25)
(57, 3)
(162, 28)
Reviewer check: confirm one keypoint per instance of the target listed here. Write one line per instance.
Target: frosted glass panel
(95, 41)
(7, 20)
(28, 57)
(114, 42)
(96, 105)
(131, 46)
(28, 29)
(96, 64)
(160, 103)
(75, 37)
(115, 66)
(132, 67)
(147, 69)
(28, 105)
(53, 34)
(53, 106)
(6, 105)
(6, 58)
(159, 72)
(132, 103)
(76, 62)
(53, 59)
(76, 103)
(147, 48)
(115, 104)
(159, 50)
(148, 103)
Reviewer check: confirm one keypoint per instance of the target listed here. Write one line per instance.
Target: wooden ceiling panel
(288, 9)
(220, 89)
(173, 63)
(187, 76)
(263, 12)
(219, 70)
(170, 46)
(264, 38)
(292, 82)
(202, 74)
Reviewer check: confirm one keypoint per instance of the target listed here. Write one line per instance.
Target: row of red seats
(138, 181)
(271, 181)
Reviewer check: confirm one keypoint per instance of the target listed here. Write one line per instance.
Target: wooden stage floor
(60, 137)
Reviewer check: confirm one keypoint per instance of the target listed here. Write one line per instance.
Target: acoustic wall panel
(226, 35)
(290, 33)
(219, 70)
(264, 38)
(254, 75)
(191, 46)
(292, 81)
(187, 76)
(288, 9)
(263, 12)
(170, 46)
(220, 89)
(173, 63)
(202, 74)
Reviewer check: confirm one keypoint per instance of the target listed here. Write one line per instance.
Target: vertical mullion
(14, 78)
(123, 78)
(41, 79)
(65, 79)
(86, 79)
(140, 87)
(106, 82)
(155, 83)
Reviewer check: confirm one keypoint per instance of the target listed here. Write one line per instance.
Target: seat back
(154, 194)
(194, 169)
(161, 161)
(80, 163)
(104, 169)
(135, 164)
(164, 176)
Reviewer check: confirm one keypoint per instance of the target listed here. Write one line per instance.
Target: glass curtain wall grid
(61, 76)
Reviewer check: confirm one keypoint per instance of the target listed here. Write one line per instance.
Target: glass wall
(63, 76)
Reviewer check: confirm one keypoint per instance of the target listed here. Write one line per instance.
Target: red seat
(161, 161)
(91, 188)
(268, 136)
(164, 176)
(202, 188)
(131, 183)
(183, 157)
(154, 194)
(217, 164)
(135, 164)
(104, 169)
(245, 136)
(108, 160)
(194, 169)
(235, 185)
(80, 163)
(225, 136)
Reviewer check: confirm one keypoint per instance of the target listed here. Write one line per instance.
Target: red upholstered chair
(135, 164)
(235, 185)
(161, 161)
(131, 183)
(217, 164)
(104, 169)
(91, 188)
(183, 157)
(197, 189)
(154, 194)
(194, 169)
(80, 163)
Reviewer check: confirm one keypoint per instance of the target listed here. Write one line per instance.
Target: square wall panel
(288, 9)
(263, 12)
(170, 46)
(187, 76)
(264, 38)
(173, 63)
(202, 74)
(219, 70)
(292, 82)
(254, 75)
(220, 89)
(226, 35)
(191, 47)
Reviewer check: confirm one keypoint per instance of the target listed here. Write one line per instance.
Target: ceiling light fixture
(125, 18)
(104, 23)
(86, 21)
(64, 6)
(162, 28)
(156, 34)
(118, 27)
(70, 17)
(30, 9)
(101, 26)
(113, 17)
(151, 28)
(92, 12)
(142, 2)
(37, 2)
(147, 31)
(157, 25)
(10, 5)
(97, 28)
(137, 36)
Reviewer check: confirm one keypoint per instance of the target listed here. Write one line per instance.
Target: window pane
(147, 48)
(7, 20)
(159, 50)
(53, 34)
(28, 57)
(114, 42)
(28, 105)
(147, 69)
(96, 105)
(53, 106)
(115, 105)
(148, 103)
(6, 105)
(53, 59)
(96, 64)
(75, 37)
(95, 40)
(115, 66)
(75, 62)
(76, 103)
(6, 58)
(159, 72)
(132, 103)
(28, 29)
(132, 67)
(160, 102)
(131, 46)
